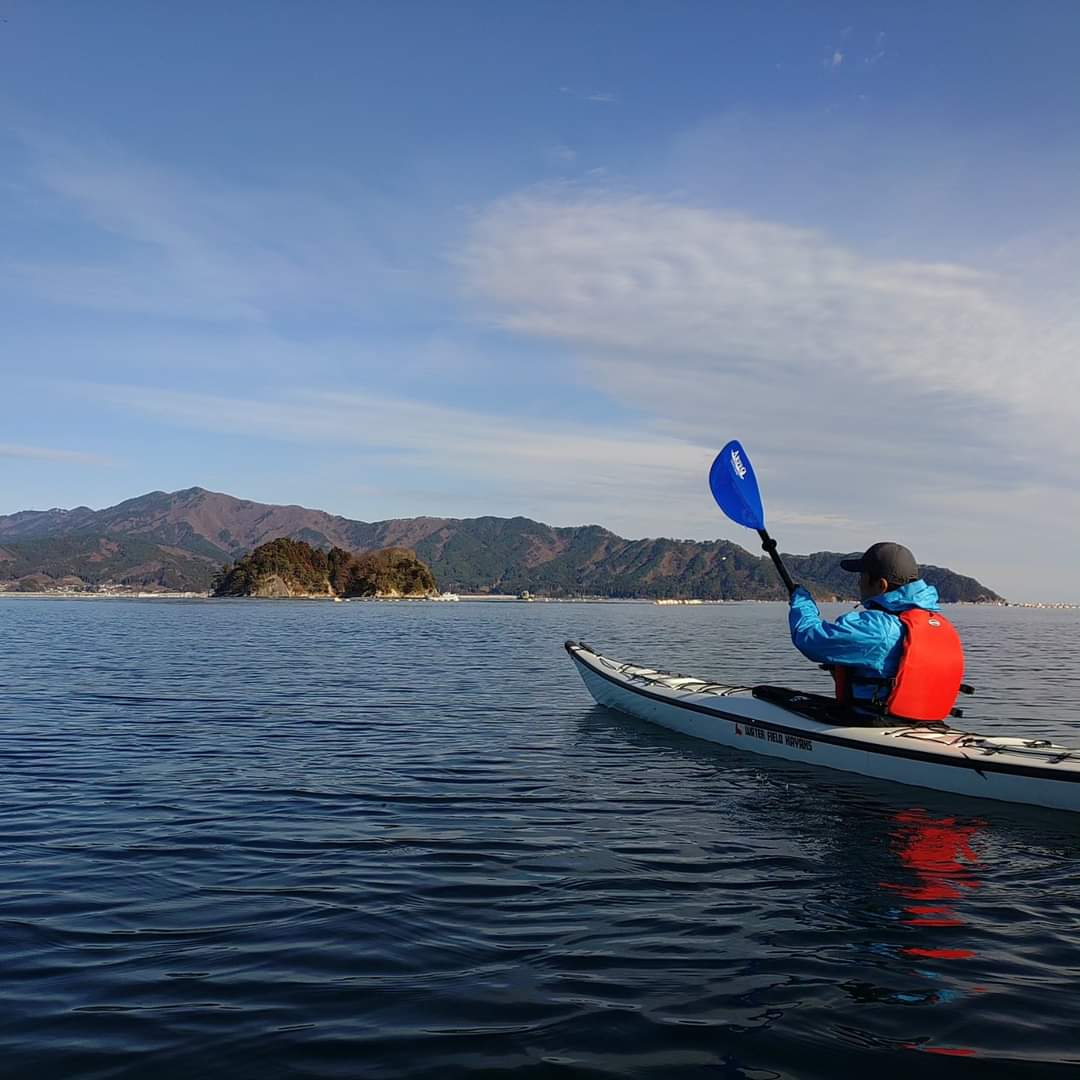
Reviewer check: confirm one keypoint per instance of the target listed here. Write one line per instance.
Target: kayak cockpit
(827, 710)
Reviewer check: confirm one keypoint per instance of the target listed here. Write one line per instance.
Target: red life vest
(927, 682)
(931, 668)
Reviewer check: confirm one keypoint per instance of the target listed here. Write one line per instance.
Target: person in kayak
(898, 655)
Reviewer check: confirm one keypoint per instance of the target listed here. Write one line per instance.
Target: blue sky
(544, 259)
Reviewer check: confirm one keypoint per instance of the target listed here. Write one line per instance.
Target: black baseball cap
(887, 560)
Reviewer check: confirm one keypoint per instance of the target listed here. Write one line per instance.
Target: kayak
(817, 730)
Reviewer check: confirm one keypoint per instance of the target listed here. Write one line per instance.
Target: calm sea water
(243, 839)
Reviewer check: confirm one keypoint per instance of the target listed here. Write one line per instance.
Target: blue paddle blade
(734, 487)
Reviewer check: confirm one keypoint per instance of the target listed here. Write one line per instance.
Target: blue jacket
(869, 641)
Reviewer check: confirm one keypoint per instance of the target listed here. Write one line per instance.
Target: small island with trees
(292, 568)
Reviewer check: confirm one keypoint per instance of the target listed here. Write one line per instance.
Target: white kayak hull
(1029, 771)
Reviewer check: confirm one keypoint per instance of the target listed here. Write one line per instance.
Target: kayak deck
(811, 728)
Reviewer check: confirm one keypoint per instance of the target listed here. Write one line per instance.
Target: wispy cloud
(878, 51)
(167, 245)
(46, 453)
(600, 97)
(719, 297)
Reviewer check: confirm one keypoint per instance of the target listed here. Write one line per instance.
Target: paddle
(735, 489)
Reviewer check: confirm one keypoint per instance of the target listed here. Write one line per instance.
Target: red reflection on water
(940, 954)
(945, 1051)
(938, 852)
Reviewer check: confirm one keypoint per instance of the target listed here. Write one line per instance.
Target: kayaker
(898, 654)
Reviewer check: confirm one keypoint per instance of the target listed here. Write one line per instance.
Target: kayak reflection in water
(898, 655)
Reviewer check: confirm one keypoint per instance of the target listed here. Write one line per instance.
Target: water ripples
(399, 841)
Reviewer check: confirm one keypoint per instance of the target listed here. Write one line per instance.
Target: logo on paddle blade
(737, 465)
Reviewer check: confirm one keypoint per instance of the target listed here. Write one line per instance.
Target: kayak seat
(825, 710)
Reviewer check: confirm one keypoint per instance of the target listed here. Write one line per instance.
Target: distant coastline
(71, 594)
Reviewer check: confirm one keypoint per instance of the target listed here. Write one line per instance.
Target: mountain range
(178, 540)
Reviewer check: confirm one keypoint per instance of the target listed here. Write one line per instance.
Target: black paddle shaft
(769, 544)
